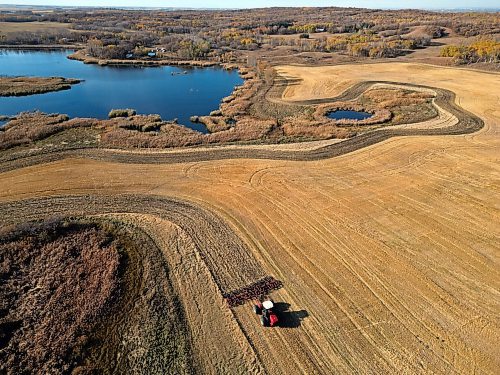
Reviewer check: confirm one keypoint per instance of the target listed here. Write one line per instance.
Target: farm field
(11, 27)
(389, 255)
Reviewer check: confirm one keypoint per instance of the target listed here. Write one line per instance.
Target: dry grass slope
(11, 27)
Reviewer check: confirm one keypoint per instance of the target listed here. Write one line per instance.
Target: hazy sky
(428, 4)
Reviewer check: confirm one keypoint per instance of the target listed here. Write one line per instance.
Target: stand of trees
(52, 36)
(484, 50)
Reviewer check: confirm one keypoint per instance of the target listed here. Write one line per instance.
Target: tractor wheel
(257, 309)
(264, 321)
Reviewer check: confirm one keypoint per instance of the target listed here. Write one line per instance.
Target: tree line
(198, 35)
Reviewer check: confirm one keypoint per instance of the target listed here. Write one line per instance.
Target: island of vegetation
(23, 86)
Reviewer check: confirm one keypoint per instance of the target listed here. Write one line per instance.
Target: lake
(149, 90)
(349, 115)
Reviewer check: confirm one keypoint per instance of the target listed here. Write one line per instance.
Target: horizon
(226, 4)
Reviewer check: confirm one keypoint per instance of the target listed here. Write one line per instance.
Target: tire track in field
(307, 265)
(429, 288)
(311, 224)
(210, 231)
(212, 324)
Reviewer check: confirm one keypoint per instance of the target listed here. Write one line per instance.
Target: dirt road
(389, 254)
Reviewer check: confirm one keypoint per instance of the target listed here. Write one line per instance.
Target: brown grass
(132, 132)
(122, 113)
(58, 281)
(23, 86)
(379, 115)
(298, 128)
(31, 127)
(78, 300)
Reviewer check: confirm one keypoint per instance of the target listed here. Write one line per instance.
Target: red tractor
(268, 317)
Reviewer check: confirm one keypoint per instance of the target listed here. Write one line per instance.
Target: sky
(420, 4)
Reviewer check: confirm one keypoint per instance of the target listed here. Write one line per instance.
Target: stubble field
(10, 27)
(388, 254)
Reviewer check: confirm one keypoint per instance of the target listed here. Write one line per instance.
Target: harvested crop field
(388, 254)
(12, 27)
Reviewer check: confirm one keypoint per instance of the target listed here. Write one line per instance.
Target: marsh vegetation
(75, 292)
(24, 86)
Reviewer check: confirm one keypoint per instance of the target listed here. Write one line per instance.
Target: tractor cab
(268, 316)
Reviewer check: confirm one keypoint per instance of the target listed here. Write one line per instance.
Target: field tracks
(218, 245)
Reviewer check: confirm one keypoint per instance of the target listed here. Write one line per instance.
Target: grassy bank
(231, 124)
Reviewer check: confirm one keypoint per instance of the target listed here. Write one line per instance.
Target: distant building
(129, 55)
(320, 30)
(151, 54)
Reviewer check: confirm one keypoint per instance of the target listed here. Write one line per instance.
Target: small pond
(348, 115)
(171, 92)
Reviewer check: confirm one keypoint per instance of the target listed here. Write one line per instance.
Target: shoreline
(467, 123)
(77, 55)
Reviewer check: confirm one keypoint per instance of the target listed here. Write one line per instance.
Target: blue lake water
(145, 89)
(349, 115)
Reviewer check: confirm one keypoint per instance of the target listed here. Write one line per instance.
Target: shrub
(122, 113)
